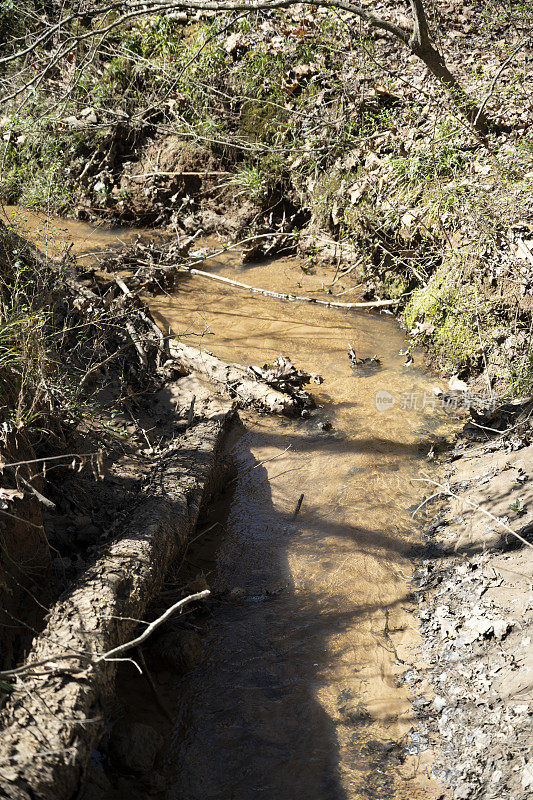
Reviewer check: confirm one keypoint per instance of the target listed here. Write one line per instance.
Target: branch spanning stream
(284, 296)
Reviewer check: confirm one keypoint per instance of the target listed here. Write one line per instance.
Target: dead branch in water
(249, 386)
(285, 296)
(298, 506)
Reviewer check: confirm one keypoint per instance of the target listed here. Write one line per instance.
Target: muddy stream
(299, 692)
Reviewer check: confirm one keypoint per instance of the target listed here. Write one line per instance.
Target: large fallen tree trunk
(237, 381)
(54, 717)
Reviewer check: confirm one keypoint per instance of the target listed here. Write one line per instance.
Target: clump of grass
(37, 164)
(249, 182)
(25, 289)
(427, 163)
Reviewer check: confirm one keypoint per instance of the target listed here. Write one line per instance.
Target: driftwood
(53, 719)
(237, 381)
(285, 296)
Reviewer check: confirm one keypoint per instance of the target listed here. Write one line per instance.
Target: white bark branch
(151, 627)
(286, 296)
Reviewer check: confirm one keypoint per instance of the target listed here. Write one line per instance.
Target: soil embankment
(475, 692)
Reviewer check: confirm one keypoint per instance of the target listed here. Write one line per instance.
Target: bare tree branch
(152, 626)
(417, 39)
(420, 36)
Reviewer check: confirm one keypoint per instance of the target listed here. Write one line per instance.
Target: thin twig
(152, 627)
(496, 78)
(27, 485)
(446, 490)
(298, 506)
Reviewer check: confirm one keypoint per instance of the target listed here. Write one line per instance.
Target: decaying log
(54, 717)
(234, 379)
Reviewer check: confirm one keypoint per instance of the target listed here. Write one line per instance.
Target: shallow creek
(299, 693)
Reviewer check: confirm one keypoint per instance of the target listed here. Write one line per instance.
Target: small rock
(439, 703)
(501, 628)
(527, 775)
(457, 385)
(134, 746)
(237, 593)
(354, 712)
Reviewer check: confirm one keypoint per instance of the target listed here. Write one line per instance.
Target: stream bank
(300, 124)
(474, 696)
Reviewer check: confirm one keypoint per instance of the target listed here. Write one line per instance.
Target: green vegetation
(24, 357)
(307, 110)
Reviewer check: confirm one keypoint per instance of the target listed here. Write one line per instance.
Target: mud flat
(474, 696)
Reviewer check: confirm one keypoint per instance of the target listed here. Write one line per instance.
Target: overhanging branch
(129, 10)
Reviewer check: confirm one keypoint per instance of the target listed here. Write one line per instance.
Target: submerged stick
(284, 296)
(298, 506)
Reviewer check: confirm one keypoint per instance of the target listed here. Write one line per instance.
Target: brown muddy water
(299, 694)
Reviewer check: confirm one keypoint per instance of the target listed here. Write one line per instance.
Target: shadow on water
(251, 726)
(250, 722)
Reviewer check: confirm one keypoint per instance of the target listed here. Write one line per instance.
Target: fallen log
(54, 717)
(284, 295)
(236, 380)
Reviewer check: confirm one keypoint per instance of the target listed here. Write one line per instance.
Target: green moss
(456, 309)
(262, 122)
(393, 284)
